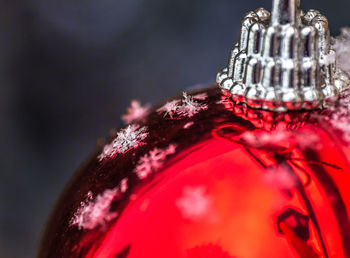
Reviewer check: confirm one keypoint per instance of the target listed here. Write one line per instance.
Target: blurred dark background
(68, 70)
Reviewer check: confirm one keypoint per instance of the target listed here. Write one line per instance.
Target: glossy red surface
(224, 182)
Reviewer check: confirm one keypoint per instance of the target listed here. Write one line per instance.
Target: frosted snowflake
(130, 137)
(169, 108)
(153, 161)
(136, 112)
(194, 202)
(188, 108)
(342, 48)
(93, 213)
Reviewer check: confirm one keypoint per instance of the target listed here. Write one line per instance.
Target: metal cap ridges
(283, 60)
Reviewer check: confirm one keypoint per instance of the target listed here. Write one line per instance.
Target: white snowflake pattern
(188, 108)
(194, 203)
(130, 137)
(152, 161)
(93, 213)
(169, 108)
(136, 112)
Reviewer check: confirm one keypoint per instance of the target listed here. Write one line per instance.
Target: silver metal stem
(285, 11)
(283, 61)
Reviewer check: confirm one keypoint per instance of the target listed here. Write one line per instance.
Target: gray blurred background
(68, 70)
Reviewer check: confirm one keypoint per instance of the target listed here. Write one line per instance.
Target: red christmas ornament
(227, 181)
(206, 176)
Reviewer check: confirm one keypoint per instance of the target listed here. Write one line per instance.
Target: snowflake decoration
(169, 108)
(188, 108)
(130, 137)
(136, 112)
(194, 203)
(153, 161)
(93, 213)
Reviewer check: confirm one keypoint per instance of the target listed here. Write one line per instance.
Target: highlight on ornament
(256, 165)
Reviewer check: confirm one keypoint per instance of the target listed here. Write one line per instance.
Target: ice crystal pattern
(194, 202)
(130, 137)
(152, 161)
(188, 106)
(95, 212)
(170, 108)
(136, 112)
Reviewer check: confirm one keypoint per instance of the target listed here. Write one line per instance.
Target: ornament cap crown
(283, 60)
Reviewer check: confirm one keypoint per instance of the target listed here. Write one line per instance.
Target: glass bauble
(202, 177)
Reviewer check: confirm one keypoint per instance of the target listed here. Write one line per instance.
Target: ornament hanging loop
(283, 60)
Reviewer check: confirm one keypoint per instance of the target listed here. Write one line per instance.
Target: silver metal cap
(283, 61)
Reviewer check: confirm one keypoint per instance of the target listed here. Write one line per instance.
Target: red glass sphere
(201, 177)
